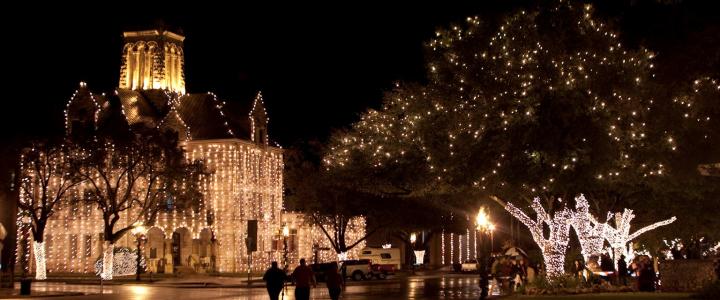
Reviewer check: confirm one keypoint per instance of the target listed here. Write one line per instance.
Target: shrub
(709, 291)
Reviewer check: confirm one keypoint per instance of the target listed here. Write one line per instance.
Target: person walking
(622, 270)
(579, 270)
(303, 276)
(335, 282)
(274, 280)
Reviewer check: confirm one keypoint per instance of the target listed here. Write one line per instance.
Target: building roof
(199, 116)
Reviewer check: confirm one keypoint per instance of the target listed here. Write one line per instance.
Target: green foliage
(547, 103)
(557, 283)
(709, 291)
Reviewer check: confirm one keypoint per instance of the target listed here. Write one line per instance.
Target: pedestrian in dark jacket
(622, 270)
(304, 277)
(335, 282)
(274, 280)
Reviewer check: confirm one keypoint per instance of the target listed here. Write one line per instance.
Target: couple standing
(303, 277)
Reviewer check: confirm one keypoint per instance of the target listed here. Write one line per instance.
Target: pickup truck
(382, 271)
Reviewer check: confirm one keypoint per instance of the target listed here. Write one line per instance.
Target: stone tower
(152, 59)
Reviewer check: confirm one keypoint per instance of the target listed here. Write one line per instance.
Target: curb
(68, 294)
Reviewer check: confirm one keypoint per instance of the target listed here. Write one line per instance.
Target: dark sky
(318, 66)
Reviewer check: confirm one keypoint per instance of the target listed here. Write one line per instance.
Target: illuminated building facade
(245, 181)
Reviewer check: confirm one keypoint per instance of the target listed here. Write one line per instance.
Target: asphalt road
(441, 286)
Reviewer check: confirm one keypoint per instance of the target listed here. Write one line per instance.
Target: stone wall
(685, 275)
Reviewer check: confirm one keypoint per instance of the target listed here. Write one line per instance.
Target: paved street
(416, 287)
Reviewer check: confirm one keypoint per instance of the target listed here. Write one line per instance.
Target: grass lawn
(609, 296)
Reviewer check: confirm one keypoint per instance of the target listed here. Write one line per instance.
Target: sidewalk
(212, 281)
(6, 293)
(192, 281)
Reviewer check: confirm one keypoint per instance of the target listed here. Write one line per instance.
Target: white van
(381, 256)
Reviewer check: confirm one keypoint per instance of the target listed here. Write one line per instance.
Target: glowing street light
(419, 254)
(484, 226)
(286, 231)
(483, 221)
(138, 230)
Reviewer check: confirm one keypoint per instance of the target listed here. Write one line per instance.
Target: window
(385, 256)
(74, 246)
(293, 240)
(87, 209)
(170, 203)
(203, 249)
(367, 252)
(88, 245)
(74, 208)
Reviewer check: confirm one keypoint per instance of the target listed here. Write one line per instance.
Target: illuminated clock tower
(152, 59)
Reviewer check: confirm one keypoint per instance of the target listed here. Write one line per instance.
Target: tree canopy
(546, 103)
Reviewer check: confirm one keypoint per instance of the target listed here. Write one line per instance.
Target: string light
(124, 263)
(554, 247)
(589, 231)
(442, 247)
(40, 269)
(246, 182)
(619, 236)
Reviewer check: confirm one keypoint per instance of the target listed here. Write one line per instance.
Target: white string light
(124, 263)
(554, 247)
(40, 269)
(589, 231)
(619, 236)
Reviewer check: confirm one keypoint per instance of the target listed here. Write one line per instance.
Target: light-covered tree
(547, 103)
(47, 175)
(131, 180)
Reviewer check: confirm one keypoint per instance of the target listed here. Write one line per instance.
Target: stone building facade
(244, 185)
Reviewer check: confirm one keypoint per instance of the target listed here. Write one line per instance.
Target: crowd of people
(509, 273)
(602, 270)
(303, 277)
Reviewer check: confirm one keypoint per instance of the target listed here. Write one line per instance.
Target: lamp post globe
(483, 226)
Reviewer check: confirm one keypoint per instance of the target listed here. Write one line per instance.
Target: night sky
(318, 67)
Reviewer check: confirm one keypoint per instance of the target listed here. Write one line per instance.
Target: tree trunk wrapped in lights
(129, 180)
(108, 261)
(589, 231)
(47, 175)
(554, 247)
(619, 236)
(548, 102)
(40, 269)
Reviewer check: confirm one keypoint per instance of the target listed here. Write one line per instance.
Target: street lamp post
(138, 231)
(484, 226)
(286, 234)
(491, 227)
(25, 282)
(413, 238)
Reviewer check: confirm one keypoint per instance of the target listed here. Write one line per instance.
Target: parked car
(321, 270)
(382, 271)
(357, 269)
(469, 266)
(383, 256)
